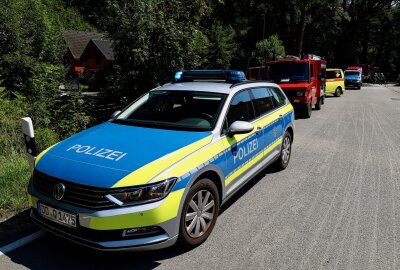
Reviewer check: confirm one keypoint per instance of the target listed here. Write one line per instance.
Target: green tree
(152, 39)
(223, 46)
(268, 49)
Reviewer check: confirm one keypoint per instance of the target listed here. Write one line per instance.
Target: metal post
(29, 138)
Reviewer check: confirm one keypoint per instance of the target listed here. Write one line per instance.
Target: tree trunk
(293, 28)
(302, 28)
(282, 23)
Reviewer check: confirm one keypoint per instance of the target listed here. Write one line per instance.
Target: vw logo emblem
(58, 191)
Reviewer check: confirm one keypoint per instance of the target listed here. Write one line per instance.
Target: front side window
(180, 110)
(278, 97)
(263, 101)
(311, 70)
(241, 108)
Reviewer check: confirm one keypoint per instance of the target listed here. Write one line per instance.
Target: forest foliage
(32, 66)
(154, 38)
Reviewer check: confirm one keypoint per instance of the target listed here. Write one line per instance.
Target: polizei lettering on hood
(245, 150)
(97, 152)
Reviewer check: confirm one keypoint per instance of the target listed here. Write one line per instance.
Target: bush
(45, 138)
(11, 139)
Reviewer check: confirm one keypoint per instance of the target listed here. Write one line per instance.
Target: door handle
(280, 117)
(259, 130)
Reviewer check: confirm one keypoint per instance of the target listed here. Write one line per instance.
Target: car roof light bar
(229, 76)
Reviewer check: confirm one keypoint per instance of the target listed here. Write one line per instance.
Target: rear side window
(278, 97)
(241, 108)
(263, 100)
(333, 74)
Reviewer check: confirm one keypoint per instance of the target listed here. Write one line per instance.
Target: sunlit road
(337, 205)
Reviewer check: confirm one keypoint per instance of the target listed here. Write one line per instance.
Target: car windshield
(352, 73)
(177, 110)
(288, 72)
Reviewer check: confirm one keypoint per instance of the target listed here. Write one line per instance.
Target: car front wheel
(307, 110)
(318, 104)
(199, 213)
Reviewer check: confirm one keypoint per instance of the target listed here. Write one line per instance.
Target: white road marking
(23, 241)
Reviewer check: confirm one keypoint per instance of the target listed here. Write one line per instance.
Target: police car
(157, 172)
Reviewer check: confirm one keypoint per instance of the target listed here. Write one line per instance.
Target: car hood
(103, 155)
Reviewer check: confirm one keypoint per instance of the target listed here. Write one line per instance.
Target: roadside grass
(14, 167)
(14, 177)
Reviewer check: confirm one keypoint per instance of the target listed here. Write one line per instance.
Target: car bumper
(104, 229)
(299, 106)
(352, 83)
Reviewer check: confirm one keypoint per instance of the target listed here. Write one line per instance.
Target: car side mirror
(115, 114)
(240, 127)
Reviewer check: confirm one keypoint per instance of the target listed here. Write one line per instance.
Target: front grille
(291, 93)
(75, 194)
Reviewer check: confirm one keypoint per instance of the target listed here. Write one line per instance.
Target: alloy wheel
(200, 213)
(286, 150)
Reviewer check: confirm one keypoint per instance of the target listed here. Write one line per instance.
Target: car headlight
(142, 194)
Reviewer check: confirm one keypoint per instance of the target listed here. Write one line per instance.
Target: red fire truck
(302, 80)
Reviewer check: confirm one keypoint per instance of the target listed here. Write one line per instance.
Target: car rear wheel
(199, 213)
(286, 150)
(337, 92)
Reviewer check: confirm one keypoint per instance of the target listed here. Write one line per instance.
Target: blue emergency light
(229, 76)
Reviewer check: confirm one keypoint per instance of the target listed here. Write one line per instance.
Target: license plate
(57, 215)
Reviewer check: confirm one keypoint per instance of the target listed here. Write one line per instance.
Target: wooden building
(88, 52)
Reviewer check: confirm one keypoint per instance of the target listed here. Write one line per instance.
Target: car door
(243, 150)
(267, 104)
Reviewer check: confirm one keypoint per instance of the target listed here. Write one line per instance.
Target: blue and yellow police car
(157, 173)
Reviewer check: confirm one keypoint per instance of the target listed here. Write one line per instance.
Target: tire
(192, 232)
(338, 92)
(358, 87)
(286, 150)
(318, 104)
(307, 110)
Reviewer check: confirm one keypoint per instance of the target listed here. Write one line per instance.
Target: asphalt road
(337, 205)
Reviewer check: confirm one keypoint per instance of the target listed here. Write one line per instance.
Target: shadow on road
(52, 252)
(16, 227)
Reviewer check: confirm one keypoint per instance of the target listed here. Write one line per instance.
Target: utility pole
(263, 26)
